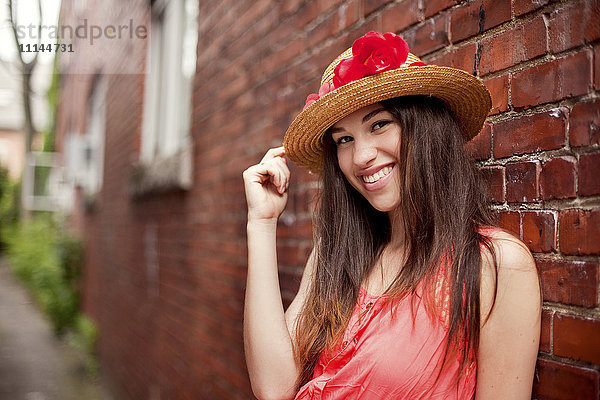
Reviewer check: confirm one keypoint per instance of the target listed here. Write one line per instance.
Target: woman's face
(368, 144)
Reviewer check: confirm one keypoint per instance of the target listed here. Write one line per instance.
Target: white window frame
(54, 196)
(95, 138)
(84, 152)
(166, 150)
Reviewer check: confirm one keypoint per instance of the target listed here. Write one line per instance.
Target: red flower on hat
(371, 54)
(323, 90)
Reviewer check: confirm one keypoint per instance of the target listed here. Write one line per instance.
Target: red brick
(539, 230)
(511, 221)
(461, 58)
(428, 36)
(250, 17)
(579, 231)
(291, 50)
(496, 12)
(494, 177)
(298, 229)
(498, 88)
(369, 6)
(281, 33)
(522, 182)
(524, 6)
(477, 17)
(371, 24)
(319, 33)
(346, 15)
(584, 126)
(480, 147)
(546, 331)
(577, 338)
(305, 15)
(323, 58)
(589, 174)
(400, 16)
(431, 7)
(557, 180)
(559, 79)
(557, 381)
(522, 43)
(290, 6)
(530, 133)
(597, 68)
(573, 25)
(569, 282)
(326, 5)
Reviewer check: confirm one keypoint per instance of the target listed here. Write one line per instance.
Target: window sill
(162, 175)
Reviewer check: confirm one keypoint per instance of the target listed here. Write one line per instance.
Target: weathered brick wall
(176, 331)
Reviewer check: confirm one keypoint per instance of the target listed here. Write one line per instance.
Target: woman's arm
(267, 341)
(510, 331)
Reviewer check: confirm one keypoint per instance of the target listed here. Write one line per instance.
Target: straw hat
(379, 67)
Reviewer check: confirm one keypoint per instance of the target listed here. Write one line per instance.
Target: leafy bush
(48, 262)
(9, 206)
(84, 337)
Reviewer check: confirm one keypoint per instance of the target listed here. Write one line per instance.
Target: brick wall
(175, 332)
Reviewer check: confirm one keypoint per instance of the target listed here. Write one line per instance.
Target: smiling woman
(410, 291)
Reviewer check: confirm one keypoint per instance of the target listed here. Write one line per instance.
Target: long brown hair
(442, 205)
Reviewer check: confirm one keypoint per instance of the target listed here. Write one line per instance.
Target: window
(84, 153)
(165, 158)
(93, 156)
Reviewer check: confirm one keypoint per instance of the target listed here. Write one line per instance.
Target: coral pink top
(386, 354)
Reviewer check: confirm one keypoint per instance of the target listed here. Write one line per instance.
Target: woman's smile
(379, 178)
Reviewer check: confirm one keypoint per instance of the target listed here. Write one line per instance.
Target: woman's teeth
(377, 175)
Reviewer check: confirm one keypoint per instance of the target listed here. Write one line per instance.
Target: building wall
(165, 273)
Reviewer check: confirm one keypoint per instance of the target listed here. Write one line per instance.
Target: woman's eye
(342, 140)
(379, 124)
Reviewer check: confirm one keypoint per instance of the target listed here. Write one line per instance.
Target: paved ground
(34, 363)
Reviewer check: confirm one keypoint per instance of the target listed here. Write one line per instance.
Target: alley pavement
(34, 363)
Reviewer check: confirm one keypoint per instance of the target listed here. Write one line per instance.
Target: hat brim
(466, 96)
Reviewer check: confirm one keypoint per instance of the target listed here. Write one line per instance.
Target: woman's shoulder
(509, 251)
(510, 270)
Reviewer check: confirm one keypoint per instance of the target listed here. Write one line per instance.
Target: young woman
(409, 293)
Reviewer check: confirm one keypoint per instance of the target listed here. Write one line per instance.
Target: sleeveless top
(393, 351)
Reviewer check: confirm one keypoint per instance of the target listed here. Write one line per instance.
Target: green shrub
(70, 253)
(48, 262)
(9, 206)
(4, 182)
(84, 337)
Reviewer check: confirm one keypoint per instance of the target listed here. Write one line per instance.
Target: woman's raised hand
(266, 186)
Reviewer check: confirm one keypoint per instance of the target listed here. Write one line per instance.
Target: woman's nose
(364, 153)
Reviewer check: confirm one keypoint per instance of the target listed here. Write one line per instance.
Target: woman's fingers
(273, 168)
(272, 153)
(265, 184)
(280, 173)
